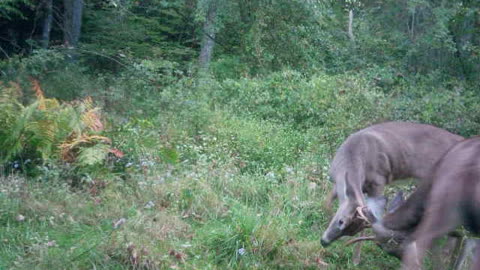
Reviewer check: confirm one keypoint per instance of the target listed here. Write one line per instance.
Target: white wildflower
(119, 223)
(149, 205)
(241, 251)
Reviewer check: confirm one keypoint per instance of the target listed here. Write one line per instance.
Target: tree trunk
(47, 23)
(463, 35)
(72, 20)
(350, 25)
(208, 37)
(412, 29)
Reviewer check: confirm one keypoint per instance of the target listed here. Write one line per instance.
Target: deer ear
(397, 201)
(349, 190)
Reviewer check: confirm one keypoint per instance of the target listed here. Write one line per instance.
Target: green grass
(196, 223)
(227, 175)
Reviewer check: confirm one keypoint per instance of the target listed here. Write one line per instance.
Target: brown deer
(453, 200)
(373, 157)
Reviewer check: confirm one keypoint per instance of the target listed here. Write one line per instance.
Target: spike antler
(359, 239)
(361, 215)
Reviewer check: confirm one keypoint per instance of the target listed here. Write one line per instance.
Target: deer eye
(340, 222)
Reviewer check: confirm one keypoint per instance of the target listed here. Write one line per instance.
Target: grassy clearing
(227, 175)
(209, 218)
(208, 213)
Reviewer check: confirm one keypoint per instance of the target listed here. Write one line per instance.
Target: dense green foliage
(185, 170)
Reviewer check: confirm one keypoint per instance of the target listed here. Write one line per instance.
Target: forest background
(197, 134)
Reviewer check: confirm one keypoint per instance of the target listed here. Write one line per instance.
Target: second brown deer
(453, 200)
(449, 199)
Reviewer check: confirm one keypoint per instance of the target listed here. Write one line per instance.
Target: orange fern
(39, 93)
(68, 131)
(92, 120)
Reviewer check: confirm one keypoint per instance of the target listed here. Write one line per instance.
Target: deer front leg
(476, 263)
(357, 252)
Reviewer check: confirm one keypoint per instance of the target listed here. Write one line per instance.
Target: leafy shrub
(36, 64)
(290, 98)
(451, 104)
(260, 145)
(61, 78)
(229, 68)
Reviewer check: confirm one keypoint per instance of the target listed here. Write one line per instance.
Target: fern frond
(88, 103)
(93, 155)
(13, 142)
(71, 120)
(42, 135)
(38, 93)
(51, 103)
(50, 128)
(92, 120)
(10, 106)
(69, 149)
(11, 92)
(37, 88)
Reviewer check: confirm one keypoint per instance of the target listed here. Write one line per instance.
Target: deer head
(345, 220)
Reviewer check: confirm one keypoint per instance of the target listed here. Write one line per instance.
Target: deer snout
(324, 242)
(331, 234)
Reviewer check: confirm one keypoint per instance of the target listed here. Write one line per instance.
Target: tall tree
(208, 36)
(47, 23)
(351, 6)
(72, 20)
(350, 25)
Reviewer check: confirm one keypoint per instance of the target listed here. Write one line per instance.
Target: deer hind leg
(466, 258)
(441, 219)
(476, 264)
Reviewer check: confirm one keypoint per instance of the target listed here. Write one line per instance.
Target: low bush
(290, 98)
(451, 104)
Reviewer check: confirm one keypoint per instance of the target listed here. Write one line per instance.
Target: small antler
(362, 216)
(359, 239)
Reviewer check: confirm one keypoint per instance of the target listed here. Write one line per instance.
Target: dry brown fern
(70, 148)
(91, 120)
(38, 93)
